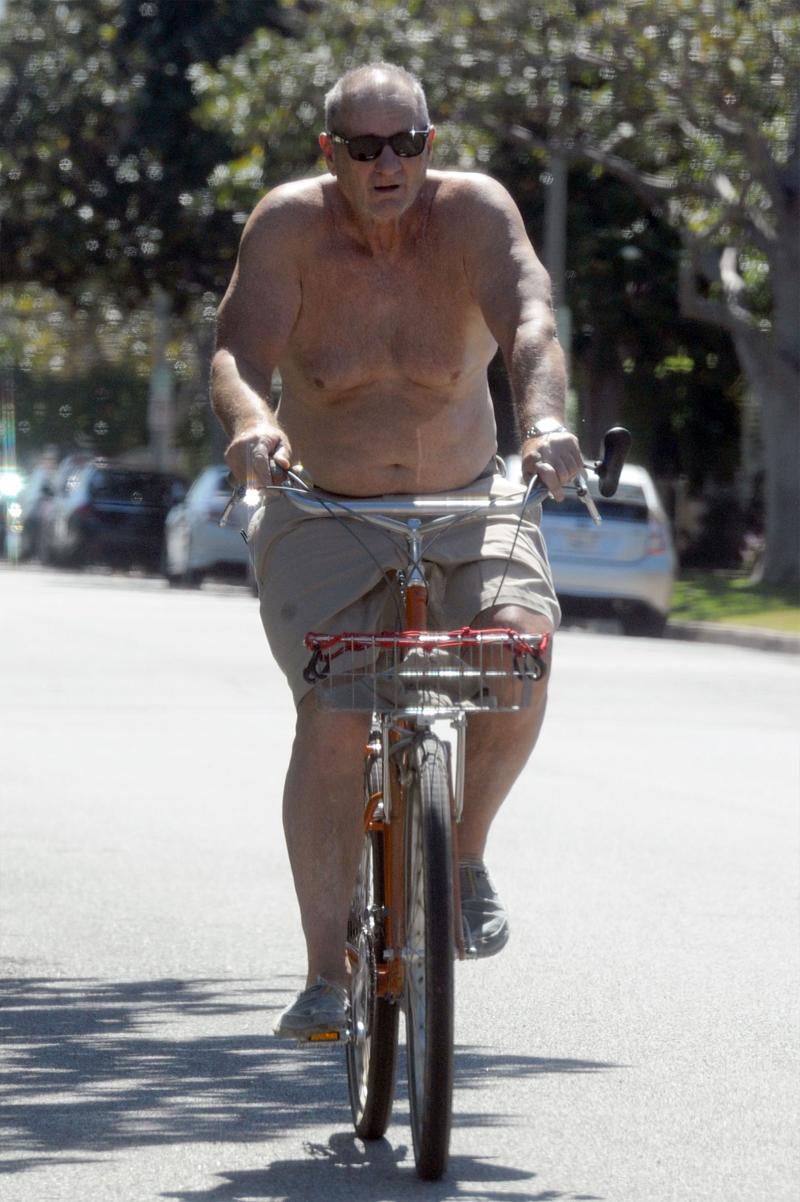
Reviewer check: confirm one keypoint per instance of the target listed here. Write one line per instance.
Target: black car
(112, 515)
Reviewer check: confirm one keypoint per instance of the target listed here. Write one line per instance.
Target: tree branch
(730, 315)
(655, 189)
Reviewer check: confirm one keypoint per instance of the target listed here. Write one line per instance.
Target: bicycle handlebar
(616, 444)
(405, 506)
(389, 509)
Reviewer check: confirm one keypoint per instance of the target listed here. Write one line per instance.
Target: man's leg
(498, 745)
(323, 822)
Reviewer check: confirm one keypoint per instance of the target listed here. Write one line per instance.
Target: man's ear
(326, 147)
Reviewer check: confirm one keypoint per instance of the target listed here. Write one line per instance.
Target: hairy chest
(364, 319)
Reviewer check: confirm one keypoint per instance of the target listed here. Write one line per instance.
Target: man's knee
(335, 732)
(526, 621)
(514, 617)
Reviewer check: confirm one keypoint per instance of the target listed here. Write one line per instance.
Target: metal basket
(426, 673)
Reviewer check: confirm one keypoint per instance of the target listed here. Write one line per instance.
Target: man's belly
(391, 440)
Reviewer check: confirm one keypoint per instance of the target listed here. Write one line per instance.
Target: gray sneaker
(320, 1014)
(483, 917)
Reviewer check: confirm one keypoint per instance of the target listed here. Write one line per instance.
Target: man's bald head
(378, 80)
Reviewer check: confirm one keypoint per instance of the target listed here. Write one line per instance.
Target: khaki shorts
(321, 574)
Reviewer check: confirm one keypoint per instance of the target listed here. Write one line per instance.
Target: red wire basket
(426, 672)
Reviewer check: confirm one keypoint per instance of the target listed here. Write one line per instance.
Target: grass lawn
(728, 597)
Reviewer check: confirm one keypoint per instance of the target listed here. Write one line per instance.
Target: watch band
(547, 425)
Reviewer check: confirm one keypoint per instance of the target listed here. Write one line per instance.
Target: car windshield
(149, 488)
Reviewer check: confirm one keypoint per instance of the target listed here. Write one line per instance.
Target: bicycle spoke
(372, 1048)
(428, 956)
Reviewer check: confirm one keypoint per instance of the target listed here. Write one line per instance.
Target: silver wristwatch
(544, 425)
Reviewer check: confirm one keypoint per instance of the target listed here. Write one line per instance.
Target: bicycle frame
(395, 727)
(414, 517)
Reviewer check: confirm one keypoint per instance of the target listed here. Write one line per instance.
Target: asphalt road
(637, 1041)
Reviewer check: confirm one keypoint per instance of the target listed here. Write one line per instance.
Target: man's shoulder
(289, 206)
(479, 212)
(469, 190)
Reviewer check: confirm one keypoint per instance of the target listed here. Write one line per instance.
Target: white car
(195, 545)
(624, 568)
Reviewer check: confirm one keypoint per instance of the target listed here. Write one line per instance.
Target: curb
(755, 637)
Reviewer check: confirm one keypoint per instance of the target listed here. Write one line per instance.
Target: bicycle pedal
(325, 1037)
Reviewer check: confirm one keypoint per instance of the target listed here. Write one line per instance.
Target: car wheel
(171, 578)
(77, 558)
(191, 577)
(643, 623)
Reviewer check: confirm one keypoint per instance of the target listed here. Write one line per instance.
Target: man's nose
(387, 159)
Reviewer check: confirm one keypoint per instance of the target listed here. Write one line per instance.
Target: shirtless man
(380, 291)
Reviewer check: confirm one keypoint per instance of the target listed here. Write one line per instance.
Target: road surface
(637, 1041)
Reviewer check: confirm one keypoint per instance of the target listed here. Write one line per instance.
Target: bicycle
(404, 930)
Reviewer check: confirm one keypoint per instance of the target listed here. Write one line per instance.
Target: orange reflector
(324, 1037)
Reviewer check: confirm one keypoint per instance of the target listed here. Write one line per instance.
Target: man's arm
(513, 291)
(255, 320)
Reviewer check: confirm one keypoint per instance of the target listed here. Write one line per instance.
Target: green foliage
(703, 99)
(735, 599)
(104, 169)
(677, 383)
(140, 133)
(102, 411)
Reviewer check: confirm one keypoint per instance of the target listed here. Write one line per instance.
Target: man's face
(382, 189)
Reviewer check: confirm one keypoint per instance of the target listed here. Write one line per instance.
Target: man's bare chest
(363, 318)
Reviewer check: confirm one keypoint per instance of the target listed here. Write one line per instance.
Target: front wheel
(372, 1047)
(429, 955)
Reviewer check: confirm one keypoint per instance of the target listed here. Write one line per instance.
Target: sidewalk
(735, 636)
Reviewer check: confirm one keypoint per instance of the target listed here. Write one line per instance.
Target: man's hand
(259, 457)
(554, 458)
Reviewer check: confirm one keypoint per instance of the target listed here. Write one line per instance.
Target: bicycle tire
(429, 992)
(372, 1047)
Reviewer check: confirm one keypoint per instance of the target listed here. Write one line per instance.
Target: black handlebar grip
(616, 445)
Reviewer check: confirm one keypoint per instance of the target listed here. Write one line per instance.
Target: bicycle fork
(385, 814)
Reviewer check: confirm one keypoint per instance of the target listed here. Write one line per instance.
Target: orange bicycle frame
(391, 972)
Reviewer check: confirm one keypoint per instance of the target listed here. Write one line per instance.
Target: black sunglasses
(365, 147)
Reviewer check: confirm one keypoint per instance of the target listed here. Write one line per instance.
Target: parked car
(195, 545)
(31, 504)
(625, 567)
(12, 483)
(64, 479)
(109, 514)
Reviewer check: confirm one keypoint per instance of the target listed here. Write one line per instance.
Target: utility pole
(555, 256)
(161, 403)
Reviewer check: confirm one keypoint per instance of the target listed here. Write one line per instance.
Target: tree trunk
(775, 383)
(602, 398)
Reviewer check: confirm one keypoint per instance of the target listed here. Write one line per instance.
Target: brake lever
(241, 490)
(582, 490)
(235, 497)
(616, 444)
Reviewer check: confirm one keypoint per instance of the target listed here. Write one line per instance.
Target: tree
(106, 198)
(696, 107)
(105, 171)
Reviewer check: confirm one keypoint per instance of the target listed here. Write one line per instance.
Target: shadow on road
(94, 1066)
